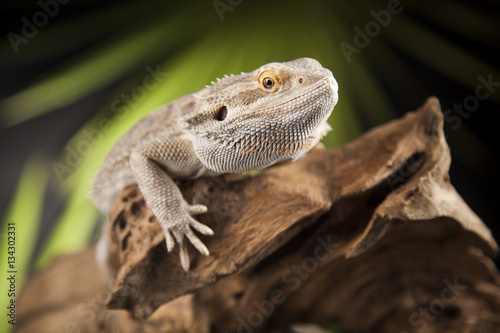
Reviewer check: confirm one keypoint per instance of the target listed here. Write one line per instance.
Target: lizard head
(253, 120)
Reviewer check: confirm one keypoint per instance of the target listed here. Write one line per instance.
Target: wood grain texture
(370, 235)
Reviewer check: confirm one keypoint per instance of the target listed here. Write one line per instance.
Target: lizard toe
(184, 255)
(170, 240)
(197, 209)
(201, 228)
(197, 243)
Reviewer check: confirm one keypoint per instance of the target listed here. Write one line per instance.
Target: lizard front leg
(154, 163)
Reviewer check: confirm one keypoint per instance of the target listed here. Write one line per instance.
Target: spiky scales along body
(240, 123)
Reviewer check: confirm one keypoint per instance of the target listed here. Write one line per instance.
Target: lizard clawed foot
(175, 234)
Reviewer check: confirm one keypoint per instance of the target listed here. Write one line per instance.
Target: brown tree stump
(371, 236)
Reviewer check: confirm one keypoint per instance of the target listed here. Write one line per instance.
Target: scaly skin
(240, 123)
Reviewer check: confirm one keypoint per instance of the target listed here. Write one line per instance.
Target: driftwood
(370, 236)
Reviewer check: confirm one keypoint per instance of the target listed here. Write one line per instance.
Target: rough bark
(371, 236)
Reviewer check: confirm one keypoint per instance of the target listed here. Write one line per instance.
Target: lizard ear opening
(221, 114)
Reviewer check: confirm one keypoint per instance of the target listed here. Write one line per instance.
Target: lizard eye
(221, 114)
(268, 82)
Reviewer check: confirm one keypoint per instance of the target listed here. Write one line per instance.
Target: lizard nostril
(221, 113)
(301, 80)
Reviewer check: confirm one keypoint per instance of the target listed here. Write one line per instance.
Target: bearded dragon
(240, 123)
